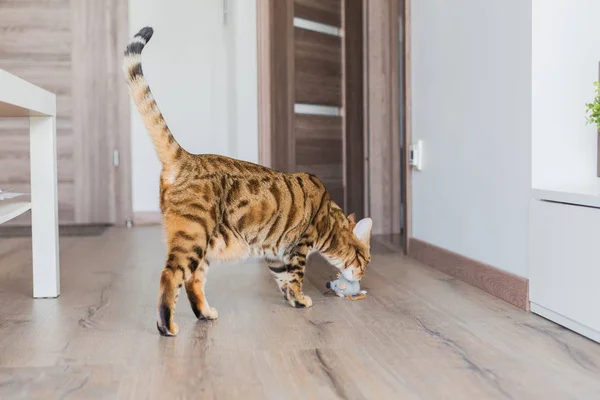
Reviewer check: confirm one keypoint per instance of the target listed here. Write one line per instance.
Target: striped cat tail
(166, 147)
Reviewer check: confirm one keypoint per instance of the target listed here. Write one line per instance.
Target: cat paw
(165, 331)
(211, 314)
(302, 302)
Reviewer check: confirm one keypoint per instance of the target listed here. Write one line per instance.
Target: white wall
(471, 85)
(203, 74)
(243, 15)
(566, 52)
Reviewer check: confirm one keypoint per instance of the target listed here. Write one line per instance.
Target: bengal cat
(218, 208)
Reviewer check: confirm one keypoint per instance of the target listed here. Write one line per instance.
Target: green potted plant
(593, 117)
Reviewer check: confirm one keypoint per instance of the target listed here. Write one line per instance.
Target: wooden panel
(66, 207)
(72, 48)
(336, 192)
(394, 169)
(265, 137)
(90, 57)
(35, 41)
(318, 127)
(323, 11)
(35, 45)
(15, 160)
(121, 190)
(504, 285)
(36, 3)
(316, 143)
(354, 164)
(406, 172)
(53, 19)
(96, 117)
(47, 72)
(319, 151)
(51, 74)
(383, 119)
(281, 85)
(318, 64)
(325, 172)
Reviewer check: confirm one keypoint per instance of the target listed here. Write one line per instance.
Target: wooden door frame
(388, 164)
(406, 177)
(275, 102)
(387, 182)
(122, 188)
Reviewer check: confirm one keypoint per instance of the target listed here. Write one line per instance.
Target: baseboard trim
(143, 218)
(575, 326)
(511, 288)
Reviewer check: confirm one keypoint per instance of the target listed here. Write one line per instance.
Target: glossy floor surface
(418, 335)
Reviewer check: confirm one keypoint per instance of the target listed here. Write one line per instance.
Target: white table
(21, 99)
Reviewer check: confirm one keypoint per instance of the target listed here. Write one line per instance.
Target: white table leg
(44, 207)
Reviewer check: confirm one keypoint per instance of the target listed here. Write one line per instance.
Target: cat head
(349, 245)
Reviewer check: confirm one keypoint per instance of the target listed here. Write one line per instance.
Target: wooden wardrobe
(72, 48)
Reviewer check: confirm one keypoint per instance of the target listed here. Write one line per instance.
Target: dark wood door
(315, 93)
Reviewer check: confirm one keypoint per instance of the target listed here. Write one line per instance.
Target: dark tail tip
(145, 33)
(136, 45)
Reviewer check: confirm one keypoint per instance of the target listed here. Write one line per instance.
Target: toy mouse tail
(359, 296)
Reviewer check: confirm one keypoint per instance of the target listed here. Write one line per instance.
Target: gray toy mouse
(344, 288)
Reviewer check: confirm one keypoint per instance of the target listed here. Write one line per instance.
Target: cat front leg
(296, 267)
(289, 275)
(279, 272)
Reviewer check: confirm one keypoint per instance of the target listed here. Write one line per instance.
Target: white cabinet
(565, 265)
(565, 235)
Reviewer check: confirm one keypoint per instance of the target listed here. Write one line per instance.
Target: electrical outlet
(416, 155)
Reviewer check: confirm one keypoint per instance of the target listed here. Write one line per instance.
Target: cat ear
(362, 230)
(352, 218)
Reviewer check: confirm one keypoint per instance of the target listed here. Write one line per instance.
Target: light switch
(416, 155)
